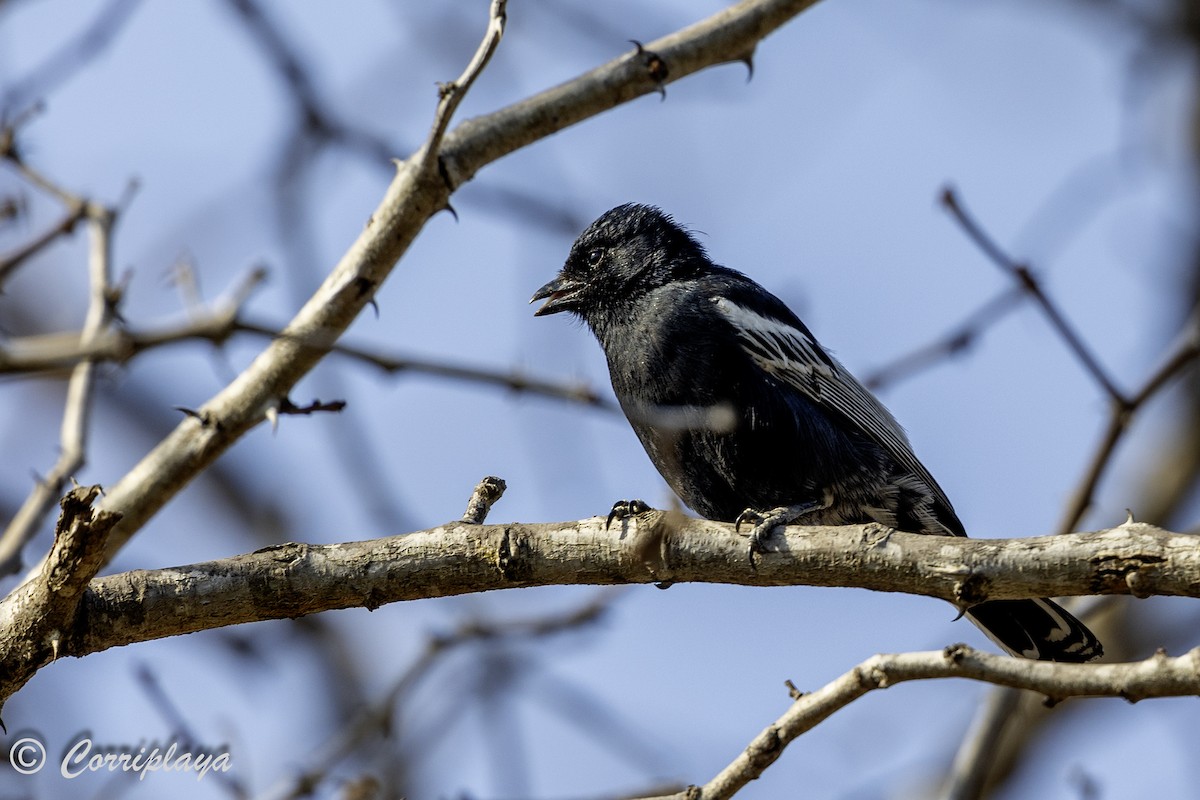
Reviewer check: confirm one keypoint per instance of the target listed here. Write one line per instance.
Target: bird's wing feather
(789, 353)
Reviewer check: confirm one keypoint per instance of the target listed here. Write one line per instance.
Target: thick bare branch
(291, 580)
(728, 36)
(38, 616)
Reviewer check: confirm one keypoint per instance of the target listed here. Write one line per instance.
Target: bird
(748, 418)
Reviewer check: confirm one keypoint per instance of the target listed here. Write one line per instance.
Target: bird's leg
(624, 509)
(767, 521)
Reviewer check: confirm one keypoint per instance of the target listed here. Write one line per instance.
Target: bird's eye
(595, 256)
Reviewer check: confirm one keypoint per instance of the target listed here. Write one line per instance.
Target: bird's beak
(562, 292)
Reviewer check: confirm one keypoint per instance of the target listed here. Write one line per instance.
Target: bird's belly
(720, 476)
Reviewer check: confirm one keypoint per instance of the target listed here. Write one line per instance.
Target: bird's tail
(1040, 629)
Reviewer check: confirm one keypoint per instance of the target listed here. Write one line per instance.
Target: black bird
(748, 418)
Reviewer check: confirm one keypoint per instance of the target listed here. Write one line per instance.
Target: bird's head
(624, 254)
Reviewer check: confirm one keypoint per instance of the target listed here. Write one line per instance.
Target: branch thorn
(656, 66)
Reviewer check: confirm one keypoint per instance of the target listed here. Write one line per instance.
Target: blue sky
(819, 177)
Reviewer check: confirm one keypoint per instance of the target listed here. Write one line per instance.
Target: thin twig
(76, 207)
(288, 408)
(955, 341)
(1029, 283)
(288, 65)
(970, 771)
(72, 56)
(180, 730)
(34, 176)
(10, 262)
(73, 435)
(376, 719)
(1182, 354)
(450, 95)
(1157, 676)
(214, 322)
(513, 379)
(219, 321)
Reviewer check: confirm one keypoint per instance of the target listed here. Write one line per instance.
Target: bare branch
(450, 95)
(955, 341)
(170, 713)
(73, 436)
(219, 321)
(1182, 355)
(287, 407)
(976, 760)
(73, 56)
(77, 208)
(10, 262)
(215, 322)
(377, 719)
(1029, 283)
(1157, 676)
(292, 580)
(999, 720)
(487, 493)
(316, 120)
(38, 616)
(513, 379)
(728, 36)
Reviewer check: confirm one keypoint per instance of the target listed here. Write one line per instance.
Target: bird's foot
(767, 521)
(624, 509)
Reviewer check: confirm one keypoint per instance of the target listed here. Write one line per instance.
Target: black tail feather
(1038, 629)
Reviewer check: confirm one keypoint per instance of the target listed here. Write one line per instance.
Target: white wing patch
(778, 349)
(794, 358)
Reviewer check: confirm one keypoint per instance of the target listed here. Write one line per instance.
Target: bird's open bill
(561, 292)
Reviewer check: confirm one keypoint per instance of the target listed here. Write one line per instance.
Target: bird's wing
(789, 353)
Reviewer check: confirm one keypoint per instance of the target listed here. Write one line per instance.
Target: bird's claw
(749, 515)
(759, 535)
(624, 509)
(763, 524)
(767, 521)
